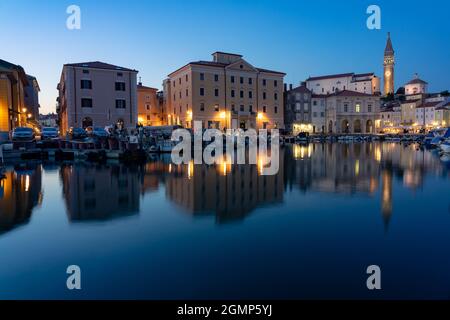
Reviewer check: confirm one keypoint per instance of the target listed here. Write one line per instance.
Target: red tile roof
(429, 104)
(222, 65)
(98, 65)
(330, 76)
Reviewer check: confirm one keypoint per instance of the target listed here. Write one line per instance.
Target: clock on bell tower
(389, 67)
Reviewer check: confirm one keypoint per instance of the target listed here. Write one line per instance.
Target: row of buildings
(19, 97)
(226, 92)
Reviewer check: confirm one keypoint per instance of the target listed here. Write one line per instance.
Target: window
(147, 106)
(241, 80)
(232, 79)
(241, 94)
(275, 96)
(264, 82)
(86, 71)
(216, 92)
(187, 78)
(121, 104)
(242, 108)
(202, 76)
(86, 103)
(369, 108)
(250, 108)
(148, 118)
(275, 83)
(174, 97)
(315, 114)
(298, 107)
(216, 108)
(345, 107)
(276, 109)
(264, 109)
(264, 96)
(250, 94)
(119, 74)
(315, 103)
(250, 81)
(202, 106)
(202, 91)
(120, 86)
(216, 77)
(322, 114)
(233, 107)
(179, 80)
(187, 92)
(232, 93)
(173, 83)
(358, 107)
(179, 94)
(86, 84)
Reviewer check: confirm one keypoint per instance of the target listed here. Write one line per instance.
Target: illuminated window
(358, 108)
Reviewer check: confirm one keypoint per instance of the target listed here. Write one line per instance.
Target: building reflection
(337, 168)
(20, 193)
(230, 192)
(100, 192)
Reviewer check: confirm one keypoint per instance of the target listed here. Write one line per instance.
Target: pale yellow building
(227, 92)
(13, 111)
(149, 109)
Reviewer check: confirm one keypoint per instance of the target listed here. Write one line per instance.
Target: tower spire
(389, 50)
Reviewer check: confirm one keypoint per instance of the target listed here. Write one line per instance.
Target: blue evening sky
(301, 38)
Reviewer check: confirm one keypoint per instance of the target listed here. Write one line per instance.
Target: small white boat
(445, 146)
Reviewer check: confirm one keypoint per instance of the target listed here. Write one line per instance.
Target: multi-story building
(391, 117)
(319, 109)
(367, 83)
(97, 94)
(416, 86)
(353, 112)
(149, 108)
(409, 110)
(13, 111)
(227, 92)
(297, 109)
(442, 114)
(32, 99)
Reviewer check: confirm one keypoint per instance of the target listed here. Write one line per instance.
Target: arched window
(345, 126)
(369, 126)
(357, 126)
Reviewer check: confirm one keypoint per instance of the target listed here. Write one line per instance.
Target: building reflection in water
(229, 192)
(100, 192)
(20, 193)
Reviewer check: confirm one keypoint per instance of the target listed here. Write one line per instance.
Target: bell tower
(389, 67)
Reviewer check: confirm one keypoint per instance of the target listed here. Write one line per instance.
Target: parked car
(76, 133)
(23, 134)
(48, 133)
(97, 132)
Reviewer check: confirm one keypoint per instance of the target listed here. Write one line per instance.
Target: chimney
(303, 83)
(290, 86)
(285, 87)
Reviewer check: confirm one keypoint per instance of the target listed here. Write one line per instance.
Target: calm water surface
(161, 231)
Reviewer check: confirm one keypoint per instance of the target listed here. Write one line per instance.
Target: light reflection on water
(148, 228)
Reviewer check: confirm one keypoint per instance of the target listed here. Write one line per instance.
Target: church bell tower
(389, 67)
